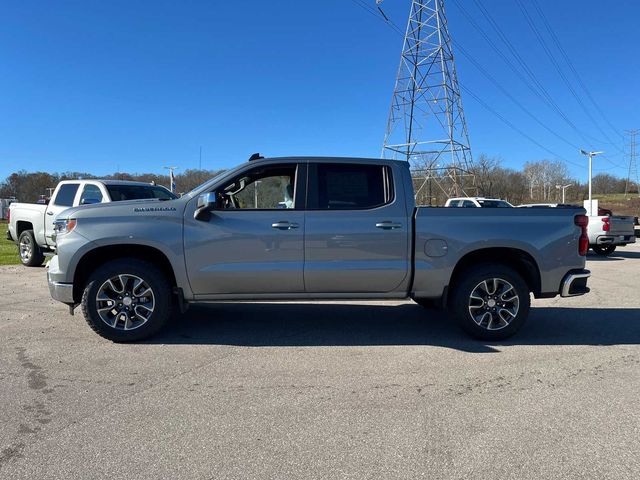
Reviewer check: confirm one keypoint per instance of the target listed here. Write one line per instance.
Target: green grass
(8, 250)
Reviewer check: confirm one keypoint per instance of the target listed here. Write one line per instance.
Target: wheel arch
(97, 257)
(519, 260)
(21, 226)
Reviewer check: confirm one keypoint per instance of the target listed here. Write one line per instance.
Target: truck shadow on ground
(314, 324)
(617, 255)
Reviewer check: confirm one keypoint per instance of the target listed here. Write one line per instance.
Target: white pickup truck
(31, 225)
(606, 231)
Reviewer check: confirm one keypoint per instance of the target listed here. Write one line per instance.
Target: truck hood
(130, 206)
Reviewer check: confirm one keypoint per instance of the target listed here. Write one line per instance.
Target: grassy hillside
(619, 205)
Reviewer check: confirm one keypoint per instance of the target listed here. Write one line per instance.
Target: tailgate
(621, 225)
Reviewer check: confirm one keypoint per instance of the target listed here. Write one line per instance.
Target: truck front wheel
(127, 300)
(30, 253)
(490, 302)
(604, 250)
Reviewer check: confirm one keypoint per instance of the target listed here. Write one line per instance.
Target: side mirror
(89, 201)
(206, 203)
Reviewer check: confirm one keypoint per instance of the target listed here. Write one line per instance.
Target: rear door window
(90, 194)
(66, 194)
(350, 186)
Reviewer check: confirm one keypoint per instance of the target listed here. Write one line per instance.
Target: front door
(357, 230)
(252, 243)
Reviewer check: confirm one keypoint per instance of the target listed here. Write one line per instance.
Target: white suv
(475, 202)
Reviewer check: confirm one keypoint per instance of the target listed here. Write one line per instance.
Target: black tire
(28, 250)
(129, 269)
(604, 250)
(471, 281)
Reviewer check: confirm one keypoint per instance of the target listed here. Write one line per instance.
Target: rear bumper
(574, 283)
(615, 239)
(9, 237)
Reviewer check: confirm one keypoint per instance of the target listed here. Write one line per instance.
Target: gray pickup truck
(312, 228)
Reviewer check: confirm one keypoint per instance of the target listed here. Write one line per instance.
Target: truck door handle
(49, 213)
(388, 225)
(284, 225)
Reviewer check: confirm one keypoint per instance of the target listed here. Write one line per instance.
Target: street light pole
(563, 187)
(172, 179)
(590, 155)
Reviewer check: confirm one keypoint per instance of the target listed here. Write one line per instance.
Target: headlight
(62, 227)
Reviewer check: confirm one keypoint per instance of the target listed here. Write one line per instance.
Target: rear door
(357, 230)
(63, 198)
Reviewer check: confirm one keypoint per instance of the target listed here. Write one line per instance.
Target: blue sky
(94, 85)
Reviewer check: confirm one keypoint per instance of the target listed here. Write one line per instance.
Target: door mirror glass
(206, 203)
(207, 200)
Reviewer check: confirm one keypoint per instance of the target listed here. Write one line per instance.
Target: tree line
(31, 186)
(537, 182)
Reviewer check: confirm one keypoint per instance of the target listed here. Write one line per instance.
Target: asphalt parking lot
(324, 390)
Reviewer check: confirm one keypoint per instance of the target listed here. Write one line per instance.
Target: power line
(540, 92)
(514, 52)
(493, 80)
(379, 14)
(553, 60)
(511, 125)
(394, 27)
(568, 61)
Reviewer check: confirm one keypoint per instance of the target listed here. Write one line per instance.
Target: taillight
(605, 224)
(9, 215)
(583, 242)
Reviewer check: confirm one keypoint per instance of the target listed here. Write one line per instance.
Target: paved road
(343, 390)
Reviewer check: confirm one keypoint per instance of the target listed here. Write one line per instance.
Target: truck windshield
(120, 193)
(494, 204)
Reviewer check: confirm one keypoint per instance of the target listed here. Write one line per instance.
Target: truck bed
(444, 236)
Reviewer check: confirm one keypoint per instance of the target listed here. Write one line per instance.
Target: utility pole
(632, 176)
(172, 179)
(426, 123)
(563, 187)
(590, 155)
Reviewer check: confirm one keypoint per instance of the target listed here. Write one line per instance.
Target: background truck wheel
(490, 302)
(127, 300)
(604, 250)
(30, 253)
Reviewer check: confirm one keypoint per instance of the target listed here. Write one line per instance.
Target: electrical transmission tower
(426, 123)
(632, 176)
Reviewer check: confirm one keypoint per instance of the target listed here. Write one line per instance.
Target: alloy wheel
(494, 303)
(125, 302)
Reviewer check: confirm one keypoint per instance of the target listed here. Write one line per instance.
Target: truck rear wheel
(604, 250)
(127, 300)
(30, 253)
(490, 302)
